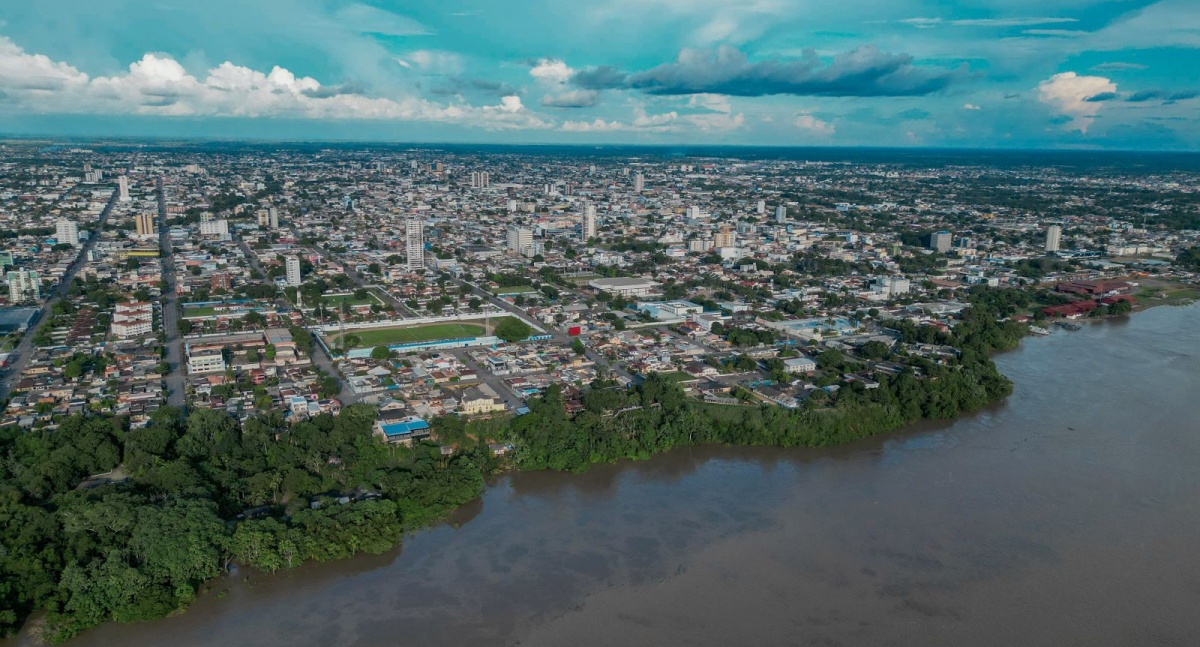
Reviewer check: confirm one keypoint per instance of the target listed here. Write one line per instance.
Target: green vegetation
(202, 491)
(1189, 259)
(511, 329)
(198, 311)
(431, 332)
(656, 416)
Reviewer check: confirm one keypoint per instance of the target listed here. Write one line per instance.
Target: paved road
(491, 380)
(319, 356)
(20, 357)
(555, 333)
(175, 382)
(404, 310)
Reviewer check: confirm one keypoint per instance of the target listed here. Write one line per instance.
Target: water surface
(1069, 515)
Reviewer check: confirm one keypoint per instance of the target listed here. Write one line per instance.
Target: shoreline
(221, 585)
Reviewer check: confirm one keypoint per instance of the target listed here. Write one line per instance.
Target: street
(21, 355)
(175, 383)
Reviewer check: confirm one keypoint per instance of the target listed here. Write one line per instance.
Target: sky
(1121, 74)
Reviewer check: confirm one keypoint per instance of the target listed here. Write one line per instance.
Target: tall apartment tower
(1053, 238)
(23, 285)
(520, 239)
(66, 231)
(781, 214)
(273, 217)
(639, 183)
(123, 188)
(480, 180)
(588, 231)
(725, 237)
(414, 244)
(145, 223)
(761, 207)
(293, 270)
(940, 241)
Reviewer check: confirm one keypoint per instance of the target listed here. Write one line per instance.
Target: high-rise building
(273, 215)
(692, 213)
(725, 237)
(761, 207)
(264, 218)
(520, 239)
(940, 241)
(293, 270)
(588, 230)
(781, 214)
(23, 285)
(1053, 238)
(66, 231)
(480, 180)
(145, 223)
(414, 244)
(639, 183)
(123, 188)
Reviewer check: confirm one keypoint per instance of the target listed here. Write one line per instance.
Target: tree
(512, 329)
(381, 352)
(578, 347)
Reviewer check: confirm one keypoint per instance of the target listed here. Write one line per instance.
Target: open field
(198, 311)
(334, 300)
(514, 289)
(430, 332)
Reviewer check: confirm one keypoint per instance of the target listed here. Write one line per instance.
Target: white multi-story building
(761, 207)
(133, 319)
(414, 244)
(520, 239)
(588, 229)
(292, 266)
(781, 214)
(23, 285)
(219, 227)
(66, 231)
(1053, 238)
(480, 179)
(123, 188)
(639, 183)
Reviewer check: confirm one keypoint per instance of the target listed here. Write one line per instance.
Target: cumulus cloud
(863, 72)
(971, 106)
(159, 85)
(1069, 94)
(549, 70)
(813, 125)
(666, 122)
(571, 99)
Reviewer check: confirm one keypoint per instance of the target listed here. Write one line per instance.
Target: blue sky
(990, 73)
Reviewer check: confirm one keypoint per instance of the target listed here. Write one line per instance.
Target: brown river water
(1068, 515)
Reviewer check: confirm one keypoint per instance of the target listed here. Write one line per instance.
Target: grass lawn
(432, 332)
(514, 289)
(198, 311)
(349, 299)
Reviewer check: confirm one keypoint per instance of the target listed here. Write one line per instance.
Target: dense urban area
(268, 355)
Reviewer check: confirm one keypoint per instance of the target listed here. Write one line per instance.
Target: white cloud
(814, 125)
(1067, 94)
(971, 106)
(571, 99)
(550, 70)
(159, 85)
(713, 102)
(641, 122)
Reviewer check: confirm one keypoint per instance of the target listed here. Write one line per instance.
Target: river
(1068, 515)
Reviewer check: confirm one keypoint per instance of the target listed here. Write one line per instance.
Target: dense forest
(204, 491)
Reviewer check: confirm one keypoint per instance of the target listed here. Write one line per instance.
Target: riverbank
(421, 487)
(1045, 520)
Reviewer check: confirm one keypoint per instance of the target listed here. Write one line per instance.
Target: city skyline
(980, 74)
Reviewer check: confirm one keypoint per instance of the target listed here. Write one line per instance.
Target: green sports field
(370, 338)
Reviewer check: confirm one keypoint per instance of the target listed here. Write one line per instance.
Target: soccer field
(432, 332)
